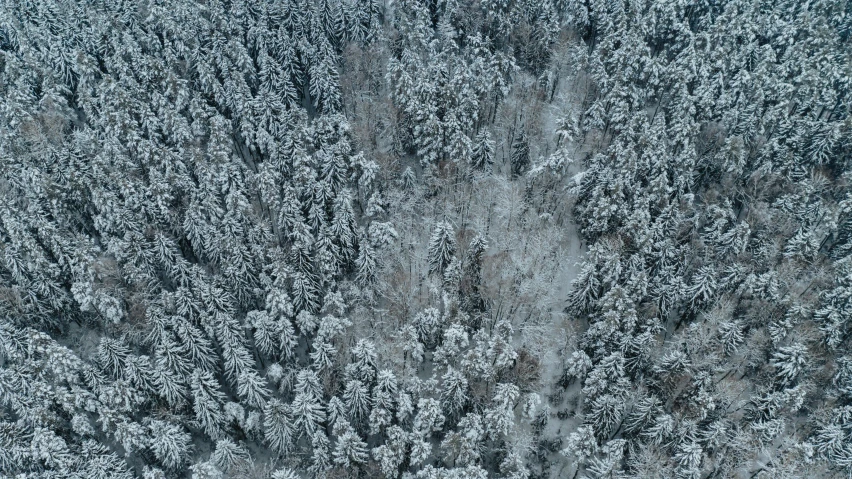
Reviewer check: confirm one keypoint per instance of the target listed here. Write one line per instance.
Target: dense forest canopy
(425, 239)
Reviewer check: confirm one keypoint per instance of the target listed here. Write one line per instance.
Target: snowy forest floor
(534, 249)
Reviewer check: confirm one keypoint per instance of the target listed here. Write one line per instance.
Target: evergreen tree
(350, 450)
(277, 426)
(520, 154)
(482, 157)
(442, 247)
(207, 403)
